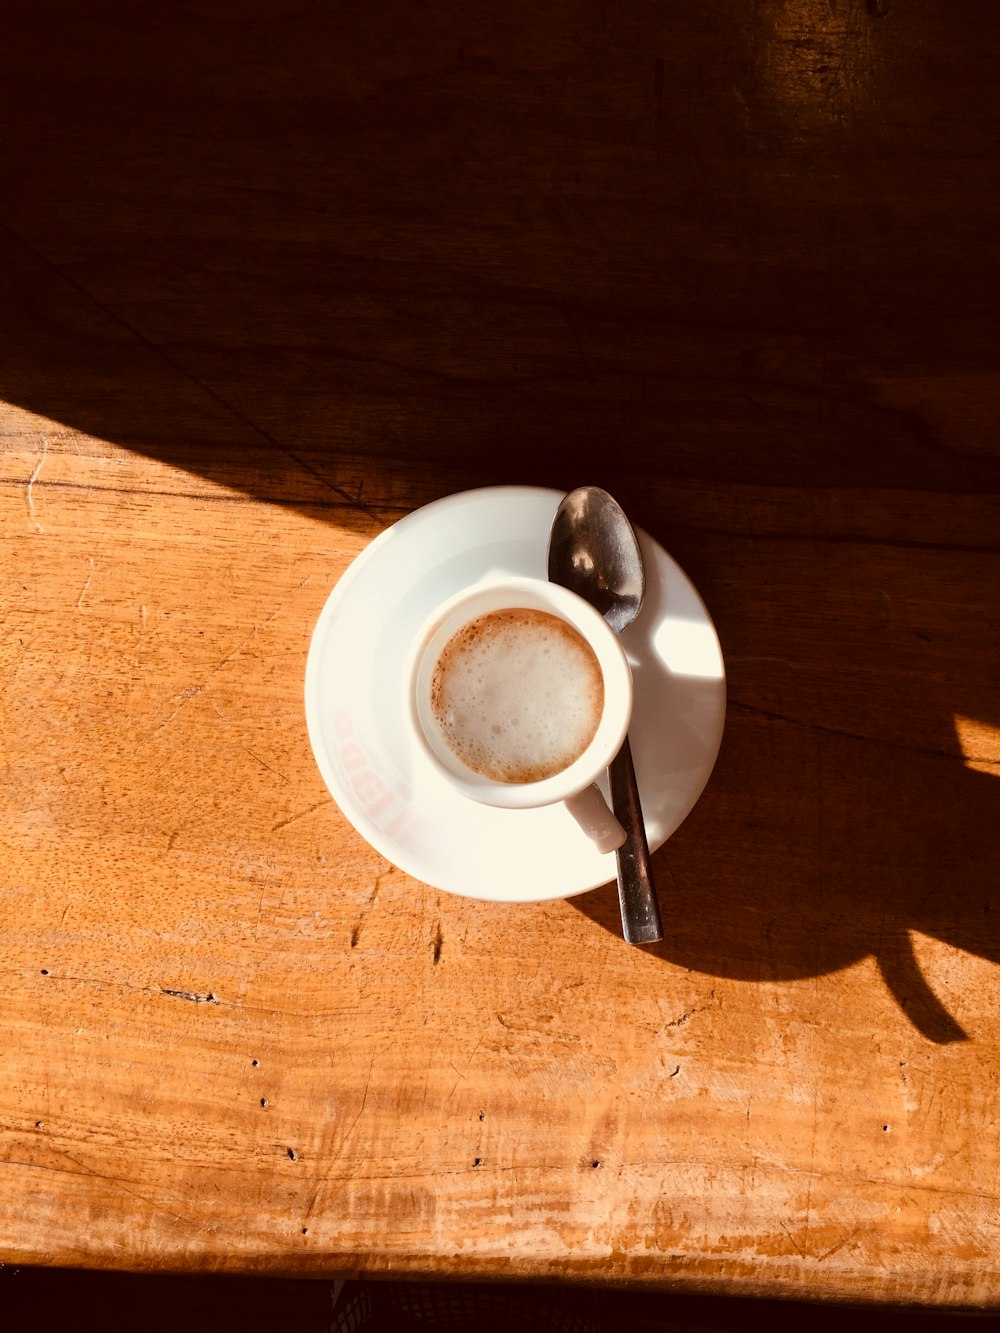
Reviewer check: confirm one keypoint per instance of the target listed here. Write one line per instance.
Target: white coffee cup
(573, 785)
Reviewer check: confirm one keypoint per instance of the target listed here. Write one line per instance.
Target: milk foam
(518, 695)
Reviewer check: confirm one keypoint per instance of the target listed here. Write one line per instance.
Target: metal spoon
(593, 550)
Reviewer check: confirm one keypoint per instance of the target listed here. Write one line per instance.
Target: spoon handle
(641, 922)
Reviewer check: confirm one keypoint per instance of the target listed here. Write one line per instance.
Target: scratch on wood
(120, 1183)
(690, 1013)
(885, 607)
(194, 996)
(839, 1245)
(301, 814)
(770, 716)
(795, 1245)
(86, 587)
(29, 502)
(185, 696)
(460, 1074)
(356, 932)
(191, 691)
(361, 1109)
(223, 717)
(812, 1161)
(438, 943)
(260, 905)
(342, 1144)
(353, 501)
(230, 657)
(265, 764)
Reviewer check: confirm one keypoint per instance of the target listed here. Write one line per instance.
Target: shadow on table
(39, 1300)
(339, 257)
(346, 273)
(816, 845)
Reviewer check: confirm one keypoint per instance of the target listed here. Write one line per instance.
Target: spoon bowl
(593, 550)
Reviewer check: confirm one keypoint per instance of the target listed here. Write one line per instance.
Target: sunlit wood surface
(273, 275)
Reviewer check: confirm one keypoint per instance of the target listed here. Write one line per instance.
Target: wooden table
(274, 275)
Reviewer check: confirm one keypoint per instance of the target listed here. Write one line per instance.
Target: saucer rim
(386, 847)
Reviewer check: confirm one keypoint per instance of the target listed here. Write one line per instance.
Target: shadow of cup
(814, 847)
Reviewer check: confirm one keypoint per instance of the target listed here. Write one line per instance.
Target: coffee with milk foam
(518, 695)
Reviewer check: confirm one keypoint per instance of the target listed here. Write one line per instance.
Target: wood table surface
(273, 275)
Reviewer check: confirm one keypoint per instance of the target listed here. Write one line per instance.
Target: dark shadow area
(48, 1300)
(335, 256)
(344, 259)
(742, 904)
(848, 808)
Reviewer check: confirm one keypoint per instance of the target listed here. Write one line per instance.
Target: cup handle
(590, 810)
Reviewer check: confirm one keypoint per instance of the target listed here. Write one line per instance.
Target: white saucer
(386, 788)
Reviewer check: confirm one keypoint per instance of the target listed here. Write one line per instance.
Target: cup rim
(536, 594)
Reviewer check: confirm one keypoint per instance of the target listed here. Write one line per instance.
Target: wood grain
(272, 276)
